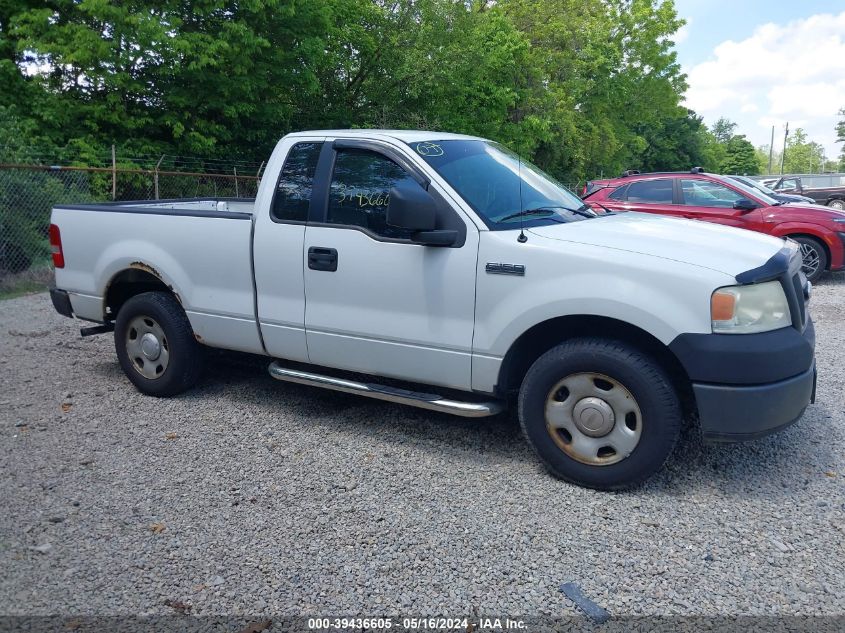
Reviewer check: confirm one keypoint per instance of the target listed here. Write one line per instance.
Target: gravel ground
(250, 496)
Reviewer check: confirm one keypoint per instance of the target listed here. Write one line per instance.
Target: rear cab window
(293, 192)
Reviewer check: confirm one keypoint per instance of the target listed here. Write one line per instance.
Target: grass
(35, 279)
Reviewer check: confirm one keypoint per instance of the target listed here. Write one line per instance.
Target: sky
(762, 63)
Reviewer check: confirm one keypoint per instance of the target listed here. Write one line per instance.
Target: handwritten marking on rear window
(429, 149)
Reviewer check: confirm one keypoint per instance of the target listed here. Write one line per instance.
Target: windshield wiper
(547, 210)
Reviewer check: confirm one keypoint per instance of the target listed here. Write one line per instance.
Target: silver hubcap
(810, 259)
(593, 418)
(146, 346)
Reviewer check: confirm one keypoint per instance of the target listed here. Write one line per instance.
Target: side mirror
(744, 204)
(412, 208)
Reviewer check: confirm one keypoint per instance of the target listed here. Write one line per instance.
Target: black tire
(814, 256)
(836, 204)
(639, 375)
(184, 354)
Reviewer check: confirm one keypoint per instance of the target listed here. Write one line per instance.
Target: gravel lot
(250, 496)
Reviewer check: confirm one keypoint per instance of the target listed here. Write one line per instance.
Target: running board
(430, 401)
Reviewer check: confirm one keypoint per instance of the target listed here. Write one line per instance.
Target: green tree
(723, 129)
(582, 86)
(840, 137)
(740, 157)
(802, 156)
(196, 77)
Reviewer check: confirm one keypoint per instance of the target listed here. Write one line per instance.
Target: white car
(444, 262)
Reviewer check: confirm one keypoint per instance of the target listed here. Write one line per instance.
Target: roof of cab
(406, 136)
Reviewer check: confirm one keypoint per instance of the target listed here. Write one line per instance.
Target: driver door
(376, 302)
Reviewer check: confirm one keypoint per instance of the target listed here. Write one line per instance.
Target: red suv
(701, 196)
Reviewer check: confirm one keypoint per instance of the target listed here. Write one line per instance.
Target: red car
(701, 196)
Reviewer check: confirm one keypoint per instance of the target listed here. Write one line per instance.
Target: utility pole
(783, 156)
(771, 148)
(113, 174)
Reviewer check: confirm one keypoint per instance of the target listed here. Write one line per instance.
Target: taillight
(56, 247)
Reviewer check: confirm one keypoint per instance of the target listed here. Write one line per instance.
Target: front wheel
(155, 345)
(599, 413)
(813, 257)
(837, 204)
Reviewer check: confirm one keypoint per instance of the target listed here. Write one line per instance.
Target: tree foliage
(582, 86)
(740, 157)
(802, 156)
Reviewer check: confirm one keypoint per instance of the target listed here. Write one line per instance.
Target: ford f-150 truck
(442, 271)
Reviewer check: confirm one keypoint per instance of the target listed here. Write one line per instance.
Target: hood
(714, 246)
(822, 210)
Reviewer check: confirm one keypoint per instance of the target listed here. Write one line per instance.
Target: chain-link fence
(29, 192)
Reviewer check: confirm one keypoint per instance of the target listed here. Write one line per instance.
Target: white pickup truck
(456, 277)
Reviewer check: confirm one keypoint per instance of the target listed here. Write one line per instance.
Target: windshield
(759, 194)
(754, 184)
(503, 190)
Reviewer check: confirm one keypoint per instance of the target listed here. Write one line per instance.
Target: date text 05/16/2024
(416, 624)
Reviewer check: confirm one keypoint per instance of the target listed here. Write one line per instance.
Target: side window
(654, 191)
(619, 194)
(789, 183)
(293, 194)
(360, 191)
(704, 193)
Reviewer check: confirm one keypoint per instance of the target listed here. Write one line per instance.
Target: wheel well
(542, 337)
(128, 283)
(815, 239)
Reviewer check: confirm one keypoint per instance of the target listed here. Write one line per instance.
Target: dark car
(826, 189)
(781, 197)
(700, 196)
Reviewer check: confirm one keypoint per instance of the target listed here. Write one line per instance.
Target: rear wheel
(813, 256)
(599, 413)
(837, 204)
(155, 345)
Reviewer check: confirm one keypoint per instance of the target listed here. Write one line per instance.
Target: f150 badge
(505, 269)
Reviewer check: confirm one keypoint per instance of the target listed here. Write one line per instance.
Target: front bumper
(749, 385)
(733, 413)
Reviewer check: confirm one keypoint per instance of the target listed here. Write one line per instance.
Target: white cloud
(793, 72)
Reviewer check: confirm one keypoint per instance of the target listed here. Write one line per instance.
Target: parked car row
(825, 189)
(728, 200)
(781, 197)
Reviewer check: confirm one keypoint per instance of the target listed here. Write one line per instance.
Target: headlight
(749, 309)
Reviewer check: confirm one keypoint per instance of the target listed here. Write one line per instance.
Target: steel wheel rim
(147, 347)
(593, 418)
(809, 259)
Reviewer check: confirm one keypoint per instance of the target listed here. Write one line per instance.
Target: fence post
(113, 174)
(236, 182)
(155, 176)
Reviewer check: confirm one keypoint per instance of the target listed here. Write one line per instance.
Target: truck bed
(173, 206)
(200, 248)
